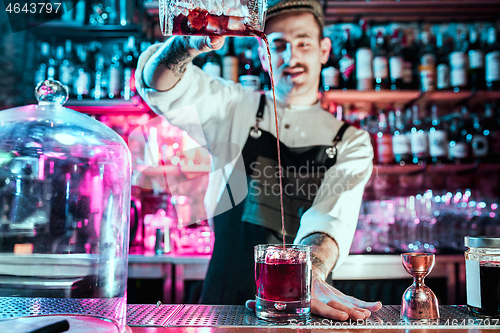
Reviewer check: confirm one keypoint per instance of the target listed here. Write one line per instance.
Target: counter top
(226, 319)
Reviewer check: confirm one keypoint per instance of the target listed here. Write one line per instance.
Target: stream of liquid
(264, 38)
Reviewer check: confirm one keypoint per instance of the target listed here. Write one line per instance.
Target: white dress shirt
(219, 111)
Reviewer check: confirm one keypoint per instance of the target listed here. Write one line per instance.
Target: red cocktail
(283, 282)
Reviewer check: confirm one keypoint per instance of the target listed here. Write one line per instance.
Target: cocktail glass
(283, 282)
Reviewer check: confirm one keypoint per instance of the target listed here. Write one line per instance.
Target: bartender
(326, 163)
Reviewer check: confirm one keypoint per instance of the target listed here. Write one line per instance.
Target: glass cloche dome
(64, 210)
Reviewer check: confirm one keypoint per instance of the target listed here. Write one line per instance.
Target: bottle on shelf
(458, 63)
(479, 141)
(230, 62)
(330, 74)
(476, 61)
(419, 140)
(347, 64)
(492, 130)
(396, 62)
(41, 68)
(249, 76)
(82, 78)
(411, 74)
(130, 57)
(438, 138)
(364, 59)
(492, 61)
(212, 65)
(460, 138)
(401, 147)
(114, 73)
(427, 67)
(381, 64)
(442, 63)
(383, 140)
(99, 90)
(66, 68)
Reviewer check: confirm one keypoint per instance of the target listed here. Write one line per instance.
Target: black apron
(257, 219)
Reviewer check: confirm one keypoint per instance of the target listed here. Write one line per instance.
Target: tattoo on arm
(176, 57)
(319, 264)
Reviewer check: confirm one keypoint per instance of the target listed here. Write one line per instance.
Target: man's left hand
(329, 302)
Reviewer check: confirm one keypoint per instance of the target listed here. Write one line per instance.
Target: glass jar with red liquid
(283, 282)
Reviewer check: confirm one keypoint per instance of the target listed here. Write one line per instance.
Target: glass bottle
(438, 138)
(458, 64)
(418, 137)
(347, 65)
(427, 66)
(401, 146)
(442, 61)
(364, 59)
(492, 130)
(230, 62)
(212, 65)
(330, 74)
(381, 64)
(476, 61)
(396, 62)
(479, 141)
(384, 141)
(492, 61)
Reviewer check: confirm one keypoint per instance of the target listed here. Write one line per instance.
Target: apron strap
(332, 151)
(340, 133)
(262, 104)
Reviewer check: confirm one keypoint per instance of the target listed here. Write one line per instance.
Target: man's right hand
(166, 66)
(205, 43)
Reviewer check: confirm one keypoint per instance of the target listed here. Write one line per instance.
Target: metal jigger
(419, 302)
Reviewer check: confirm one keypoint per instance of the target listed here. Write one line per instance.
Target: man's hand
(328, 302)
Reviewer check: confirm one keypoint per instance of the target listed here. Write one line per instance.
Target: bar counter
(227, 319)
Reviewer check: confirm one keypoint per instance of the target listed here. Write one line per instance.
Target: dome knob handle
(51, 91)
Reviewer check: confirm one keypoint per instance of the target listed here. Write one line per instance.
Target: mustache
(298, 66)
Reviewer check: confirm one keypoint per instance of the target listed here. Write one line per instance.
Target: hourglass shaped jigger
(419, 302)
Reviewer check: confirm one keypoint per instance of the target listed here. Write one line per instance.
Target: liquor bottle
(492, 61)
(347, 65)
(492, 130)
(438, 138)
(479, 141)
(427, 68)
(130, 57)
(230, 62)
(460, 138)
(396, 62)
(41, 71)
(458, 63)
(330, 74)
(383, 140)
(442, 61)
(212, 65)
(115, 73)
(249, 76)
(381, 64)
(418, 137)
(364, 59)
(476, 62)
(82, 78)
(66, 68)
(401, 146)
(458, 148)
(411, 74)
(99, 90)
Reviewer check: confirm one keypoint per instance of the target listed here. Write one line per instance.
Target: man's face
(296, 56)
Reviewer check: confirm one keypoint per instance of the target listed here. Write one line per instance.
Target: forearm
(325, 253)
(167, 65)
